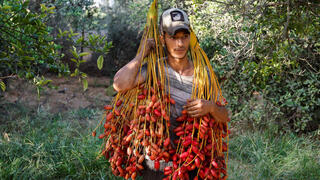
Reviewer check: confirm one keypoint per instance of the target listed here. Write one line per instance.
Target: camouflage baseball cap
(172, 20)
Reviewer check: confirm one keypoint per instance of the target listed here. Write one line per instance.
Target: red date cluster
(201, 146)
(135, 127)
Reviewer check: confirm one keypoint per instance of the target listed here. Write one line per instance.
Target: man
(175, 36)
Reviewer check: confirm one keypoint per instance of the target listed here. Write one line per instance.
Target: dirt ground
(68, 95)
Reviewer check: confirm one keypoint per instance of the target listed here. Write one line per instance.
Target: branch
(10, 76)
(316, 72)
(285, 30)
(228, 4)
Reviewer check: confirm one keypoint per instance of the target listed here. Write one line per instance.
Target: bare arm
(128, 76)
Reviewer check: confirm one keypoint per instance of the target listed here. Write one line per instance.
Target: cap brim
(181, 27)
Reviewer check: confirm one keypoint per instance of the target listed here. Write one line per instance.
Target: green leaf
(76, 71)
(45, 82)
(74, 52)
(64, 33)
(29, 75)
(100, 62)
(85, 84)
(289, 103)
(28, 58)
(43, 7)
(83, 75)
(71, 30)
(6, 7)
(84, 54)
(74, 34)
(2, 85)
(74, 60)
(79, 40)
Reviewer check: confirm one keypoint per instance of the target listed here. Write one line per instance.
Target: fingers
(191, 102)
(151, 43)
(191, 108)
(147, 41)
(196, 107)
(148, 45)
(195, 113)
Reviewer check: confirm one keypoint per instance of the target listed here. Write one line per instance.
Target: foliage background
(265, 50)
(266, 54)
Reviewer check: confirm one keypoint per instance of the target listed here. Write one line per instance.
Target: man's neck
(182, 66)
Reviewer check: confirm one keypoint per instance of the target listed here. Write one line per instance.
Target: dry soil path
(68, 95)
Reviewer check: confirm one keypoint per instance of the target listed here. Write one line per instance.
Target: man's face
(177, 45)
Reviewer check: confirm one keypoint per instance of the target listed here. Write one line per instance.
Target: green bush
(30, 49)
(266, 55)
(27, 49)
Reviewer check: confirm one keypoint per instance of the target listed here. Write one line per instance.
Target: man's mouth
(180, 50)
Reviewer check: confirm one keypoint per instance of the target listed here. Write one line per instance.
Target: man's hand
(150, 44)
(198, 107)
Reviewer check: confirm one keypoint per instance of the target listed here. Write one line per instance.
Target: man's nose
(180, 42)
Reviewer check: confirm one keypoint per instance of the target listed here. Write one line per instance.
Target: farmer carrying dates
(175, 37)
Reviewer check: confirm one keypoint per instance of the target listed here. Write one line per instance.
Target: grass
(36, 144)
(262, 155)
(50, 146)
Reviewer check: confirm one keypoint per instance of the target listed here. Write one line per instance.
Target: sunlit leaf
(83, 75)
(6, 7)
(79, 40)
(74, 60)
(84, 54)
(28, 58)
(74, 52)
(100, 62)
(85, 84)
(76, 71)
(2, 85)
(45, 82)
(71, 30)
(43, 7)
